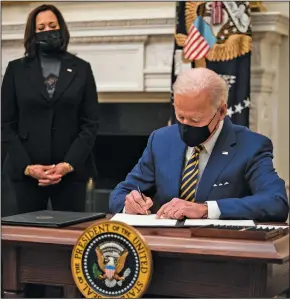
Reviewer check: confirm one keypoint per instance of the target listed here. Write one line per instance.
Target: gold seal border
(77, 275)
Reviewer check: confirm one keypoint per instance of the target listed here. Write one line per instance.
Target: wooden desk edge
(262, 250)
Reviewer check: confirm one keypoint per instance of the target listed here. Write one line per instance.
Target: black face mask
(49, 41)
(193, 135)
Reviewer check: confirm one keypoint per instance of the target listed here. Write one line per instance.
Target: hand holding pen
(142, 198)
(137, 203)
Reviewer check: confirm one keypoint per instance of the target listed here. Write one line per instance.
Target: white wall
(279, 6)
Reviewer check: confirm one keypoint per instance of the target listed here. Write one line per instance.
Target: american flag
(196, 46)
(199, 40)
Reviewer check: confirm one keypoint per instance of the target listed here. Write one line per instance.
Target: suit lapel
(220, 157)
(175, 163)
(36, 78)
(66, 75)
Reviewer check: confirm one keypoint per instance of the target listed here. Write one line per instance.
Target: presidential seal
(111, 260)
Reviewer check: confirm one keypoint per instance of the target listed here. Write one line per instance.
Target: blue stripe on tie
(190, 176)
(189, 173)
(188, 184)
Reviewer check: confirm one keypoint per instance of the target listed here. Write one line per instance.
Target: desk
(183, 266)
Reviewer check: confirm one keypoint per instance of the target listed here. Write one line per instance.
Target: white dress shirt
(213, 209)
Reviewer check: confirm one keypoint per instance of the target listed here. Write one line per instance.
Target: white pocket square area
(221, 184)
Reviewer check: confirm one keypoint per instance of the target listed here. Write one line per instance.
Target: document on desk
(218, 222)
(143, 220)
(151, 221)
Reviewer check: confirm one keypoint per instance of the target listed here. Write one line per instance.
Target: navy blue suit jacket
(254, 191)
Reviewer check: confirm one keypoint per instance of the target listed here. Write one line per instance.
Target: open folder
(151, 221)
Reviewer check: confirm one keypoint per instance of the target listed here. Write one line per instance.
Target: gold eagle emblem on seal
(111, 260)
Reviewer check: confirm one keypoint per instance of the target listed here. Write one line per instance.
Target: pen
(142, 197)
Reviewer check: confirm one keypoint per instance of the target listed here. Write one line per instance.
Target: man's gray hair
(202, 79)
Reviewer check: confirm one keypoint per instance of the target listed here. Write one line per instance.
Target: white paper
(218, 222)
(271, 226)
(143, 220)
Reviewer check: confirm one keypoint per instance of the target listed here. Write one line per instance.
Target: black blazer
(40, 130)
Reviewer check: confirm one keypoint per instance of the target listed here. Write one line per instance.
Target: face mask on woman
(49, 41)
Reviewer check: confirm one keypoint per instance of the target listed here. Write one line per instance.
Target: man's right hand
(39, 172)
(134, 203)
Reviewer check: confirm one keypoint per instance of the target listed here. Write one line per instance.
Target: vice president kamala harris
(49, 118)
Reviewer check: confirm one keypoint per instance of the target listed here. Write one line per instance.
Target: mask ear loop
(212, 120)
(213, 117)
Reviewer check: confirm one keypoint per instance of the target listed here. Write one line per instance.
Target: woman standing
(49, 118)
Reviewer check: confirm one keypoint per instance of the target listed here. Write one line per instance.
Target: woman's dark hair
(29, 36)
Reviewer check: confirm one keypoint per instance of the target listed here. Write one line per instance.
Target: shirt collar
(209, 145)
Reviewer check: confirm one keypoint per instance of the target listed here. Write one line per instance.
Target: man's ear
(223, 111)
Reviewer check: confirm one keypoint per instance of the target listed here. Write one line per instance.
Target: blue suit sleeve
(268, 201)
(142, 175)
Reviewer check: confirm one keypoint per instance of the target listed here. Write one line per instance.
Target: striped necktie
(190, 175)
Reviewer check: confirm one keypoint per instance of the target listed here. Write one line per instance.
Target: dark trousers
(64, 196)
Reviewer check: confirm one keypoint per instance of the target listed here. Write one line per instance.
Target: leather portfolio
(50, 218)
